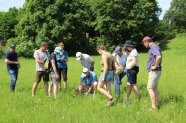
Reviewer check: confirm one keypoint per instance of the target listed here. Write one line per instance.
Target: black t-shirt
(53, 57)
(11, 56)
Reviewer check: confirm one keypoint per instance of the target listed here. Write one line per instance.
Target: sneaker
(110, 102)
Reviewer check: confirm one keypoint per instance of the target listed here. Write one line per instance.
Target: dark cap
(129, 43)
(118, 49)
(12, 46)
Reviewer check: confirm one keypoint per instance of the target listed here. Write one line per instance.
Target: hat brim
(78, 58)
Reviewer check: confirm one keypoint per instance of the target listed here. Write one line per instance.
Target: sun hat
(58, 49)
(129, 43)
(85, 70)
(12, 46)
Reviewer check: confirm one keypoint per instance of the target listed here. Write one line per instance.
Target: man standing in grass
(154, 69)
(11, 59)
(41, 56)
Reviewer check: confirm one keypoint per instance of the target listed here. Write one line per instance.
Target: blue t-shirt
(88, 80)
(11, 56)
(62, 63)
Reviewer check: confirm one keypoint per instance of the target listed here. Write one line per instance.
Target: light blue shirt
(62, 63)
(88, 81)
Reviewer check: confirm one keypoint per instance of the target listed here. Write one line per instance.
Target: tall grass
(21, 107)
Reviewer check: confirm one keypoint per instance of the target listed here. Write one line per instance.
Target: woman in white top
(132, 66)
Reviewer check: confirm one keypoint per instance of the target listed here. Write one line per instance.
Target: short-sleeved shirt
(42, 56)
(154, 50)
(11, 56)
(133, 53)
(62, 63)
(122, 59)
(53, 57)
(88, 80)
(86, 61)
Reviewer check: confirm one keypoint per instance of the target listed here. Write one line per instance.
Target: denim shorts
(109, 76)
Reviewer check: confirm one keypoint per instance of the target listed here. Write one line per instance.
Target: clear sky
(6, 4)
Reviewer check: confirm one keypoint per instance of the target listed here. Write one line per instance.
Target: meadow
(21, 107)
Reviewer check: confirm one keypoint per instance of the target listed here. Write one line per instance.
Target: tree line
(83, 24)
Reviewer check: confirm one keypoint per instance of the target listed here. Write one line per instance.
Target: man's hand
(153, 67)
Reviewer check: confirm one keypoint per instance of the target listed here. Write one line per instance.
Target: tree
(8, 20)
(176, 15)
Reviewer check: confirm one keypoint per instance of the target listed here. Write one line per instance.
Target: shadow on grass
(172, 98)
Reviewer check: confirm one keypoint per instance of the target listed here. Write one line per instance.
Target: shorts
(132, 75)
(53, 78)
(109, 76)
(153, 79)
(63, 73)
(40, 74)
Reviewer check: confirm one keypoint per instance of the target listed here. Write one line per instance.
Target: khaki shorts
(53, 78)
(153, 79)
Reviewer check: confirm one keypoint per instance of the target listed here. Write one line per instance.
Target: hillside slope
(176, 45)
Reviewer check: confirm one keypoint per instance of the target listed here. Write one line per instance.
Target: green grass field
(21, 107)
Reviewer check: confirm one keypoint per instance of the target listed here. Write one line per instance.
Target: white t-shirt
(86, 61)
(133, 53)
(42, 56)
(122, 60)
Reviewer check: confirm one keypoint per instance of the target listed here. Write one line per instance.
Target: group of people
(126, 56)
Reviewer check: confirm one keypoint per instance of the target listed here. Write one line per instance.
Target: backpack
(47, 64)
(117, 67)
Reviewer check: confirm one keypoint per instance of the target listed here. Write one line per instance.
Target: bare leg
(136, 91)
(59, 84)
(152, 97)
(103, 91)
(156, 97)
(50, 89)
(129, 91)
(65, 85)
(34, 87)
(46, 88)
(55, 89)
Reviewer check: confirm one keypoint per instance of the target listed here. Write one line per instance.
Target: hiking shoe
(110, 102)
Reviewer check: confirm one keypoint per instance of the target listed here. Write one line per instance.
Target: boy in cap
(13, 65)
(54, 79)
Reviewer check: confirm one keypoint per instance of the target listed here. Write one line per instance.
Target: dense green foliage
(81, 24)
(176, 15)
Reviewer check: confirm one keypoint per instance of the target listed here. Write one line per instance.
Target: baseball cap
(58, 49)
(146, 38)
(85, 70)
(118, 49)
(78, 55)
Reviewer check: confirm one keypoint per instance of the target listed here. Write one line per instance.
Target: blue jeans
(13, 76)
(118, 79)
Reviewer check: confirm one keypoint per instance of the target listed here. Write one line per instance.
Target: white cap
(78, 55)
(85, 70)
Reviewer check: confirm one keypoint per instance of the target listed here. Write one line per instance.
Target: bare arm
(133, 63)
(54, 67)
(105, 69)
(7, 61)
(38, 60)
(158, 60)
